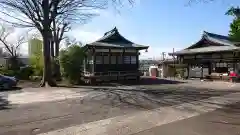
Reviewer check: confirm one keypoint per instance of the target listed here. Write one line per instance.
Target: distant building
(1, 51)
(213, 56)
(35, 46)
(145, 64)
(23, 60)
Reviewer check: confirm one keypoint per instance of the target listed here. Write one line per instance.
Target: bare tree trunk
(47, 71)
(52, 49)
(57, 49)
(46, 33)
(57, 64)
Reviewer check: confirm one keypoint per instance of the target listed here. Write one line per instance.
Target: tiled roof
(119, 45)
(225, 44)
(207, 49)
(224, 40)
(113, 38)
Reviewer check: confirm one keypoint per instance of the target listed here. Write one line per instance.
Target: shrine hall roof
(114, 39)
(210, 42)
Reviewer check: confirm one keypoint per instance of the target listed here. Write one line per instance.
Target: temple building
(212, 54)
(112, 58)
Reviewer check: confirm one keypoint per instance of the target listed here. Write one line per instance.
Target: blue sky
(161, 24)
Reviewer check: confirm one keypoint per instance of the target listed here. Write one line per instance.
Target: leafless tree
(11, 46)
(41, 14)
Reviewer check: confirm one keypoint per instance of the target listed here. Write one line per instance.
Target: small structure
(144, 66)
(112, 58)
(166, 68)
(213, 55)
(153, 71)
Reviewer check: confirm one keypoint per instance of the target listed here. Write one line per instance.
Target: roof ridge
(215, 35)
(112, 30)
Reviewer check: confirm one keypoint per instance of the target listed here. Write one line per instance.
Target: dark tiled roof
(224, 40)
(206, 50)
(113, 38)
(224, 44)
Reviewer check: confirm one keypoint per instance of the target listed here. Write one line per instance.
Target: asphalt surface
(43, 117)
(225, 121)
(107, 102)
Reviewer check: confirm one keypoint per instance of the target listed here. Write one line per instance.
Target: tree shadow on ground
(152, 81)
(154, 98)
(29, 84)
(230, 113)
(143, 81)
(4, 103)
(12, 89)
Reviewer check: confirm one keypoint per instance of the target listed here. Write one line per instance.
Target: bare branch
(52, 18)
(11, 48)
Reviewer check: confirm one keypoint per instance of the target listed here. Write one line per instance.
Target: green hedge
(22, 73)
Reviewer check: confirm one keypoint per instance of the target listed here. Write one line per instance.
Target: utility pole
(174, 64)
(163, 55)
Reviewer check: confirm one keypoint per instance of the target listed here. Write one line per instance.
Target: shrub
(8, 72)
(25, 72)
(36, 62)
(71, 61)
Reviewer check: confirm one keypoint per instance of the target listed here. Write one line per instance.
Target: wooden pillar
(188, 70)
(209, 68)
(137, 60)
(123, 54)
(137, 65)
(102, 54)
(123, 64)
(221, 57)
(84, 65)
(235, 62)
(94, 60)
(109, 55)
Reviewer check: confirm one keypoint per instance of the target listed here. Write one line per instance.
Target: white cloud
(85, 36)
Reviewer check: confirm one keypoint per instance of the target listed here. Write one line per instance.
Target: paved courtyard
(190, 108)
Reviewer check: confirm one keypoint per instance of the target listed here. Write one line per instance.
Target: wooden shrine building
(212, 54)
(112, 58)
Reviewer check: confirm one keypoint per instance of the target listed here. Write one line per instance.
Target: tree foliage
(36, 57)
(43, 14)
(36, 62)
(234, 31)
(71, 60)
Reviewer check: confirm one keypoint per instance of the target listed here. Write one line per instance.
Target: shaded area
(142, 81)
(25, 84)
(150, 98)
(231, 114)
(151, 81)
(224, 121)
(12, 89)
(101, 103)
(4, 103)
